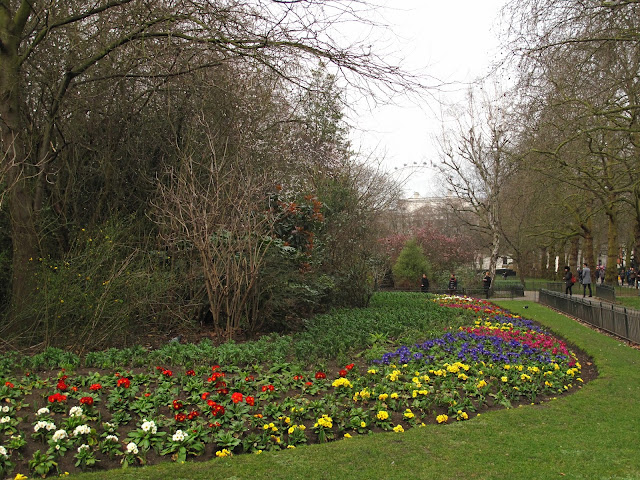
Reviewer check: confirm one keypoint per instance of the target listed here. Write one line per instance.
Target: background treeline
(165, 164)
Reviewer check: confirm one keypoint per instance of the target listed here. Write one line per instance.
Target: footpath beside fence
(621, 321)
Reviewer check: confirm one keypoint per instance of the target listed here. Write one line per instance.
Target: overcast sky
(454, 41)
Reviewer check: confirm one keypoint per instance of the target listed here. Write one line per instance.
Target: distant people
(424, 283)
(568, 281)
(486, 283)
(633, 277)
(453, 284)
(586, 279)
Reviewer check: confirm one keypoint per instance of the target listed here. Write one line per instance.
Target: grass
(592, 434)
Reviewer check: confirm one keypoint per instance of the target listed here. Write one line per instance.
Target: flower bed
(82, 420)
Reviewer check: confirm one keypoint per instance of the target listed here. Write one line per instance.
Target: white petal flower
(75, 412)
(132, 448)
(43, 411)
(60, 435)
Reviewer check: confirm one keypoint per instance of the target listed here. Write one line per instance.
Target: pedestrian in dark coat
(453, 285)
(486, 283)
(568, 280)
(424, 283)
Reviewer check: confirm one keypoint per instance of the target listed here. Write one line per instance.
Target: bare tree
(48, 50)
(475, 163)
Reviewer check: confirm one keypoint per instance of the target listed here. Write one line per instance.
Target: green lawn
(592, 434)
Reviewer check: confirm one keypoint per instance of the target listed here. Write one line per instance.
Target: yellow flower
(372, 371)
(346, 435)
(394, 395)
(382, 415)
(19, 476)
(504, 379)
(408, 413)
(223, 453)
(363, 424)
(398, 429)
(481, 384)
(442, 418)
(291, 447)
(383, 396)
(342, 382)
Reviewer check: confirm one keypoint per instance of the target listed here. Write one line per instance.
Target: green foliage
(103, 288)
(410, 266)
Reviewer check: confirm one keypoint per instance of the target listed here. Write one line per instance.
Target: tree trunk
(611, 271)
(574, 248)
(13, 163)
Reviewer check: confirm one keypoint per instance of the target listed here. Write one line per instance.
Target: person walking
(486, 283)
(586, 279)
(568, 280)
(453, 284)
(424, 283)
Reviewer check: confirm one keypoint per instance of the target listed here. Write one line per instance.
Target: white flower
(82, 430)
(6, 419)
(111, 438)
(3, 452)
(75, 412)
(179, 436)
(132, 448)
(83, 447)
(149, 426)
(59, 435)
(109, 427)
(6, 409)
(42, 424)
(43, 411)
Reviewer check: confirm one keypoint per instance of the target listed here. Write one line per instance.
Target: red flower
(147, 394)
(298, 377)
(214, 425)
(343, 373)
(86, 401)
(320, 375)
(62, 386)
(181, 417)
(95, 386)
(190, 373)
(236, 397)
(350, 366)
(308, 384)
(193, 414)
(217, 410)
(249, 378)
(123, 382)
(8, 384)
(250, 400)
(205, 395)
(177, 405)
(57, 397)
(159, 368)
(215, 367)
(167, 373)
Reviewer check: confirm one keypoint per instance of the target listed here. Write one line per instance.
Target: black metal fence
(507, 291)
(604, 292)
(620, 321)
